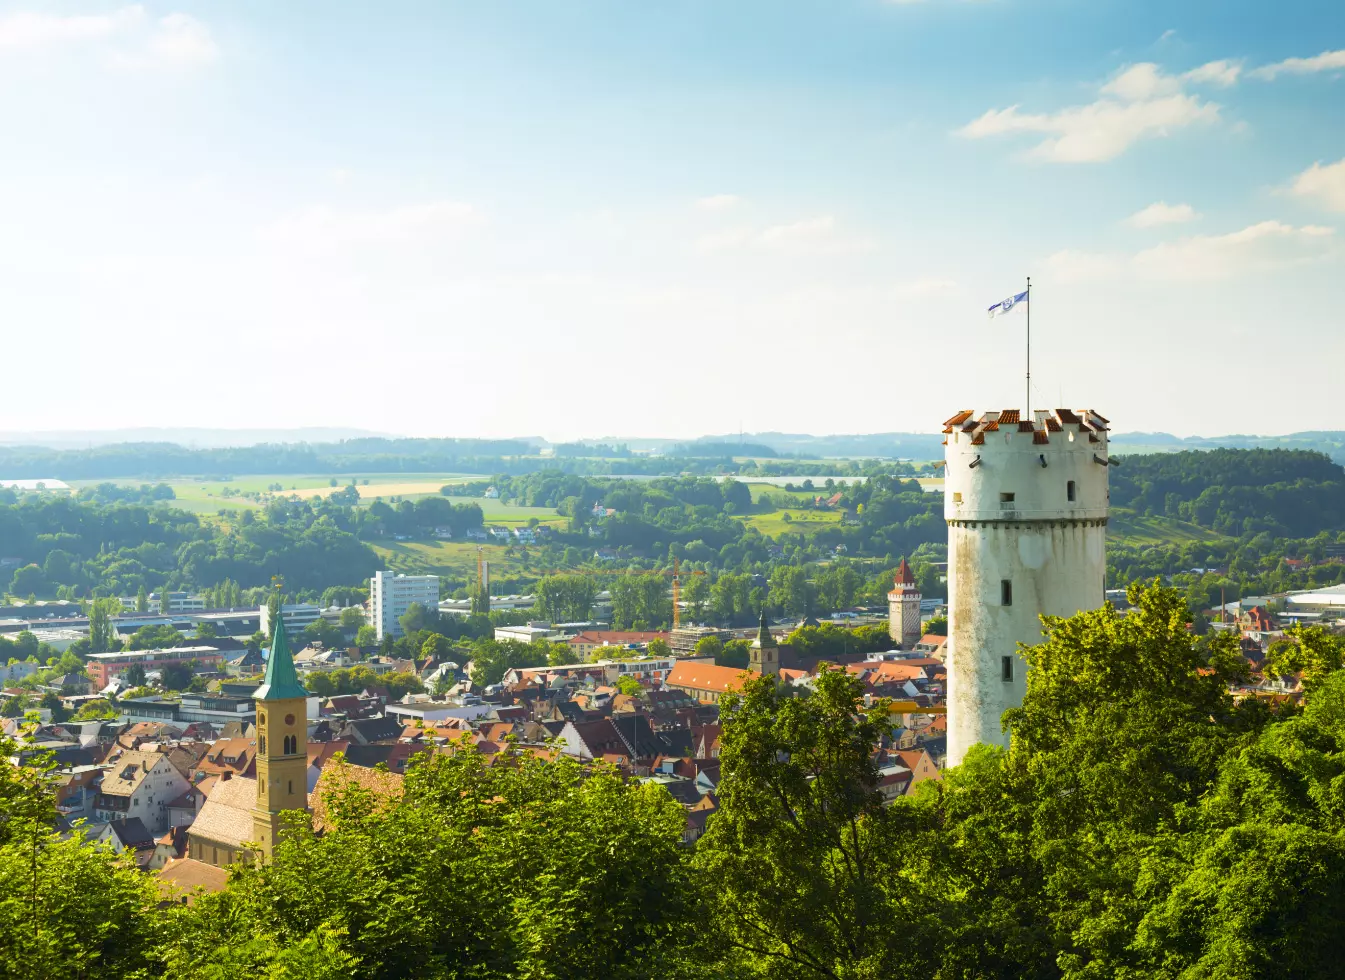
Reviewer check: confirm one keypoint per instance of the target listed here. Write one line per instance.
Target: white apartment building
(390, 595)
(296, 616)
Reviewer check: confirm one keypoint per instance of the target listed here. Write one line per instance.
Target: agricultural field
(803, 522)
(1126, 527)
(209, 497)
(454, 559)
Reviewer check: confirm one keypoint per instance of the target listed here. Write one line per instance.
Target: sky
(583, 218)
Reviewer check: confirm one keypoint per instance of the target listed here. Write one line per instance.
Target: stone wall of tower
(1026, 505)
(282, 777)
(903, 617)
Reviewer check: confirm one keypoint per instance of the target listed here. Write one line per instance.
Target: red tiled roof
(706, 677)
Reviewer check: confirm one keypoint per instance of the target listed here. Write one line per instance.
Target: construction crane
(676, 573)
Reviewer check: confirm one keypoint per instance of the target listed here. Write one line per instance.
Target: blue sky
(590, 218)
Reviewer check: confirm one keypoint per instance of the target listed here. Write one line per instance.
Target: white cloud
(128, 36)
(1073, 265)
(1326, 61)
(182, 40)
(30, 30)
(1162, 213)
(917, 288)
(814, 236)
(326, 229)
(1256, 248)
(1324, 183)
(1140, 102)
(1223, 73)
(718, 202)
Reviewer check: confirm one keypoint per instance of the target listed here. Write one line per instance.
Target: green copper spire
(764, 639)
(280, 681)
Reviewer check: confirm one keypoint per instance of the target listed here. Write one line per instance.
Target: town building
(102, 667)
(390, 595)
(589, 643)
(139, 784)
(705, 682)
(1026, 505)
(903, 604)
(683, 640)
(297, 616)
(764, 657)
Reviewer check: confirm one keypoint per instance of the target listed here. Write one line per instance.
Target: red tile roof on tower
(904, 576)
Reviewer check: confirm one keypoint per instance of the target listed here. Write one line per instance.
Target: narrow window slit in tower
(1006, 669)
(1069, 491)
(1005, 592)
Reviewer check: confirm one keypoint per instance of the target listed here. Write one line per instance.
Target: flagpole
(1028, 301)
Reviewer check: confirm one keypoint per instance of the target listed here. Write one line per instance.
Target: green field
(803, 522)
(1125, 527)
(208, 497)
(450, 558)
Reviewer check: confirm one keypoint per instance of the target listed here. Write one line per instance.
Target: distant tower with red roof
(903, 606)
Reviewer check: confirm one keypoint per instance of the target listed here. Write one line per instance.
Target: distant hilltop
(188, 438)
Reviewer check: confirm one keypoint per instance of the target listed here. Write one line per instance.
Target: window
(291, 744)
(1006, 669)
(290, 787)
(957, 498)
(1005, 592)
(1006, 498)
(1069, 491)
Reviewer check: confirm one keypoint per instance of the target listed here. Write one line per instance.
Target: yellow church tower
(282, 743)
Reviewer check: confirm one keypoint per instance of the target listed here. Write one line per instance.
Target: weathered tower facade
(1026, 505)
(903, 608)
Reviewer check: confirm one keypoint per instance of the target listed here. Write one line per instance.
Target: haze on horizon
(476, 219)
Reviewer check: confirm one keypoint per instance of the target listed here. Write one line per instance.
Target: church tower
(765, 653)
(903, 605)
(282, 743)
(1026, 505)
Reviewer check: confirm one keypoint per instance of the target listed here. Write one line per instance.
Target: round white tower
(1026, 505)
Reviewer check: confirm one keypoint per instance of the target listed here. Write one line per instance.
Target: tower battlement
(1002, 467)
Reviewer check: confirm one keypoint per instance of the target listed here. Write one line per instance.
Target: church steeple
(282, 742)
(280, 681)
(764, 657)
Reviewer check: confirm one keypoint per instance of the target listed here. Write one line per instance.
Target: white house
(139, 784)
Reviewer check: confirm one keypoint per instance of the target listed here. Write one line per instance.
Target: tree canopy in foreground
(1143, 824)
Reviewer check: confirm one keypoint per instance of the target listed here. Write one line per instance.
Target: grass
(1126, 527)
(207, 497)
(805, 522)
(455, 559)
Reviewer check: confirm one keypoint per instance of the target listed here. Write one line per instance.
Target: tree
(352, 618)
(937, 626)
(801, 849)
(736, 653)
(366, 636)
(176, 676)
(206, 631)
(154, 638)
(321, 631)
(588, 871)
(436, 647)
(629, 685)
(658, 648)
(102, 634)
(566, 598)
(28, 579)
(134, 675)
(417, 618)
(141, 599)
(709, 646)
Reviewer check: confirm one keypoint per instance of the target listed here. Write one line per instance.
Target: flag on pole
(1005, 305)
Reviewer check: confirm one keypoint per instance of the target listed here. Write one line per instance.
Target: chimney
(226, 776)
